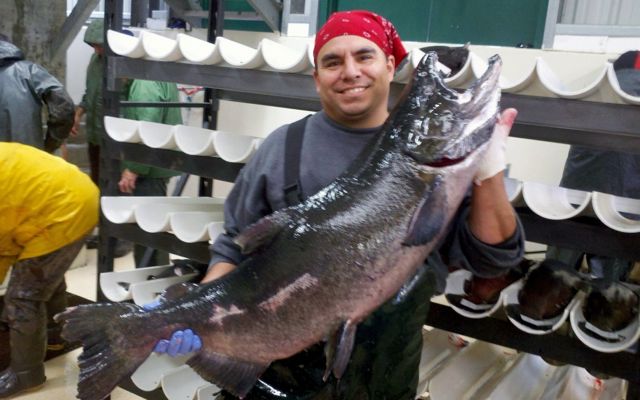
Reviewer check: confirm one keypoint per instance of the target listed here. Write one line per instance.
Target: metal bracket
(71, 27)
(269, 10)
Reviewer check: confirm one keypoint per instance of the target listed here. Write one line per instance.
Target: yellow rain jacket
(45, 203)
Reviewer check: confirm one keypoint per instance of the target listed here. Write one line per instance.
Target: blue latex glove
(181, 343)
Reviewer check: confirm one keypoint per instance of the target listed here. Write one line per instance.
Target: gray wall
(32, 25)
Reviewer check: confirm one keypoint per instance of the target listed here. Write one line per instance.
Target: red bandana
(364, 24)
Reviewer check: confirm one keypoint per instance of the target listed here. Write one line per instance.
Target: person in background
(144, 180)
(91, 103)
(24, 88)
(92, 106)
(606, 171)
(356, 54)
(48, 206)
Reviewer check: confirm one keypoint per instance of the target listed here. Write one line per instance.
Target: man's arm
(218, 270)
(61, 117)
(492, 219)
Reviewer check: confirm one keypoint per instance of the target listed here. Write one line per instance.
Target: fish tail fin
(110, 351)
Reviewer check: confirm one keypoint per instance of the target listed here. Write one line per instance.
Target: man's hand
(127, 182)
(75, 129)
(495, 159)
(180, 344)
(51, 144)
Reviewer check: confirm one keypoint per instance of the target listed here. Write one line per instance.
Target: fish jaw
(439, 126)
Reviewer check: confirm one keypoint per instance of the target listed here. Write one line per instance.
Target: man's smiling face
(352, 77)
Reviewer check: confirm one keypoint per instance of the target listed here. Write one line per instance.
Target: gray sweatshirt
(327, 151)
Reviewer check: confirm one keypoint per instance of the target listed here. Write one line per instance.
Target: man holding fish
(355, 56)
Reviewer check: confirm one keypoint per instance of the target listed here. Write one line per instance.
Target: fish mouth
(447, 126)
(446, 162)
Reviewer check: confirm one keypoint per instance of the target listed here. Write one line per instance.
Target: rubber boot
(26, 371)
(56, 304)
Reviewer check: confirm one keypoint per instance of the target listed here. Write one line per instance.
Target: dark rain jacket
(92, 101)
(24, 88)
(386, 355)
(608, 171)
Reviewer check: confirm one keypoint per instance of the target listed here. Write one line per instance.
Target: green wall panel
(408, 16)
(495, 22)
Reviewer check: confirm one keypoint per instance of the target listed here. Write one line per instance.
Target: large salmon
(314, 271)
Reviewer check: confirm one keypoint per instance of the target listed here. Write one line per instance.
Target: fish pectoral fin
(428, 219)
(262, 232)
(338, 350)
(235, 376)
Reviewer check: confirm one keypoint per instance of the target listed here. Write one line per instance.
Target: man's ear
(391, 65)
(315, 79)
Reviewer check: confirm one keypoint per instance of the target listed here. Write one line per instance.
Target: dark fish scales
(313, 271)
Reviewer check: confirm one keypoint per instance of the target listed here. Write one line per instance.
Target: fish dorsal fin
(428, 217)
(177, 291)
(235, 376)
(262, 232)
(338, 350)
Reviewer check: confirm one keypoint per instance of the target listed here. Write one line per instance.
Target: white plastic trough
(282, 58)
(193, 226)
(554, 202)
(125, 45)
(148, 376)
(525, 379)
(513, 188)
(238, 55)
(215, 229)
(156, 217)
(235, 148)
(160, 48)
(510, 80)
(198, 51)
(463, 76)
(578, 384)
(455, 290)
(561, 86)
(195, 141)
(437, 348)
(157, 135)
(529, 325)
(467, 371)
(119, 209)
(182, 383)
(207, 392)
(122, 129)
(593, 337)
(609, 209)
(114, 291)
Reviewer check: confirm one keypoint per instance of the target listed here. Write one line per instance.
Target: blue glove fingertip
(187, 340)
(174, 343)
(161, 346)
(197, 343)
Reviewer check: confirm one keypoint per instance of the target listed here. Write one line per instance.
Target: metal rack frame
(602, 125)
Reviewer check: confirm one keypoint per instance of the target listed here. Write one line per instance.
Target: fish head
(438, 126)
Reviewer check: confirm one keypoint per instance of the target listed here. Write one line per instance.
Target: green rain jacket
(24, 88)
(92, 99)
(152, 91)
